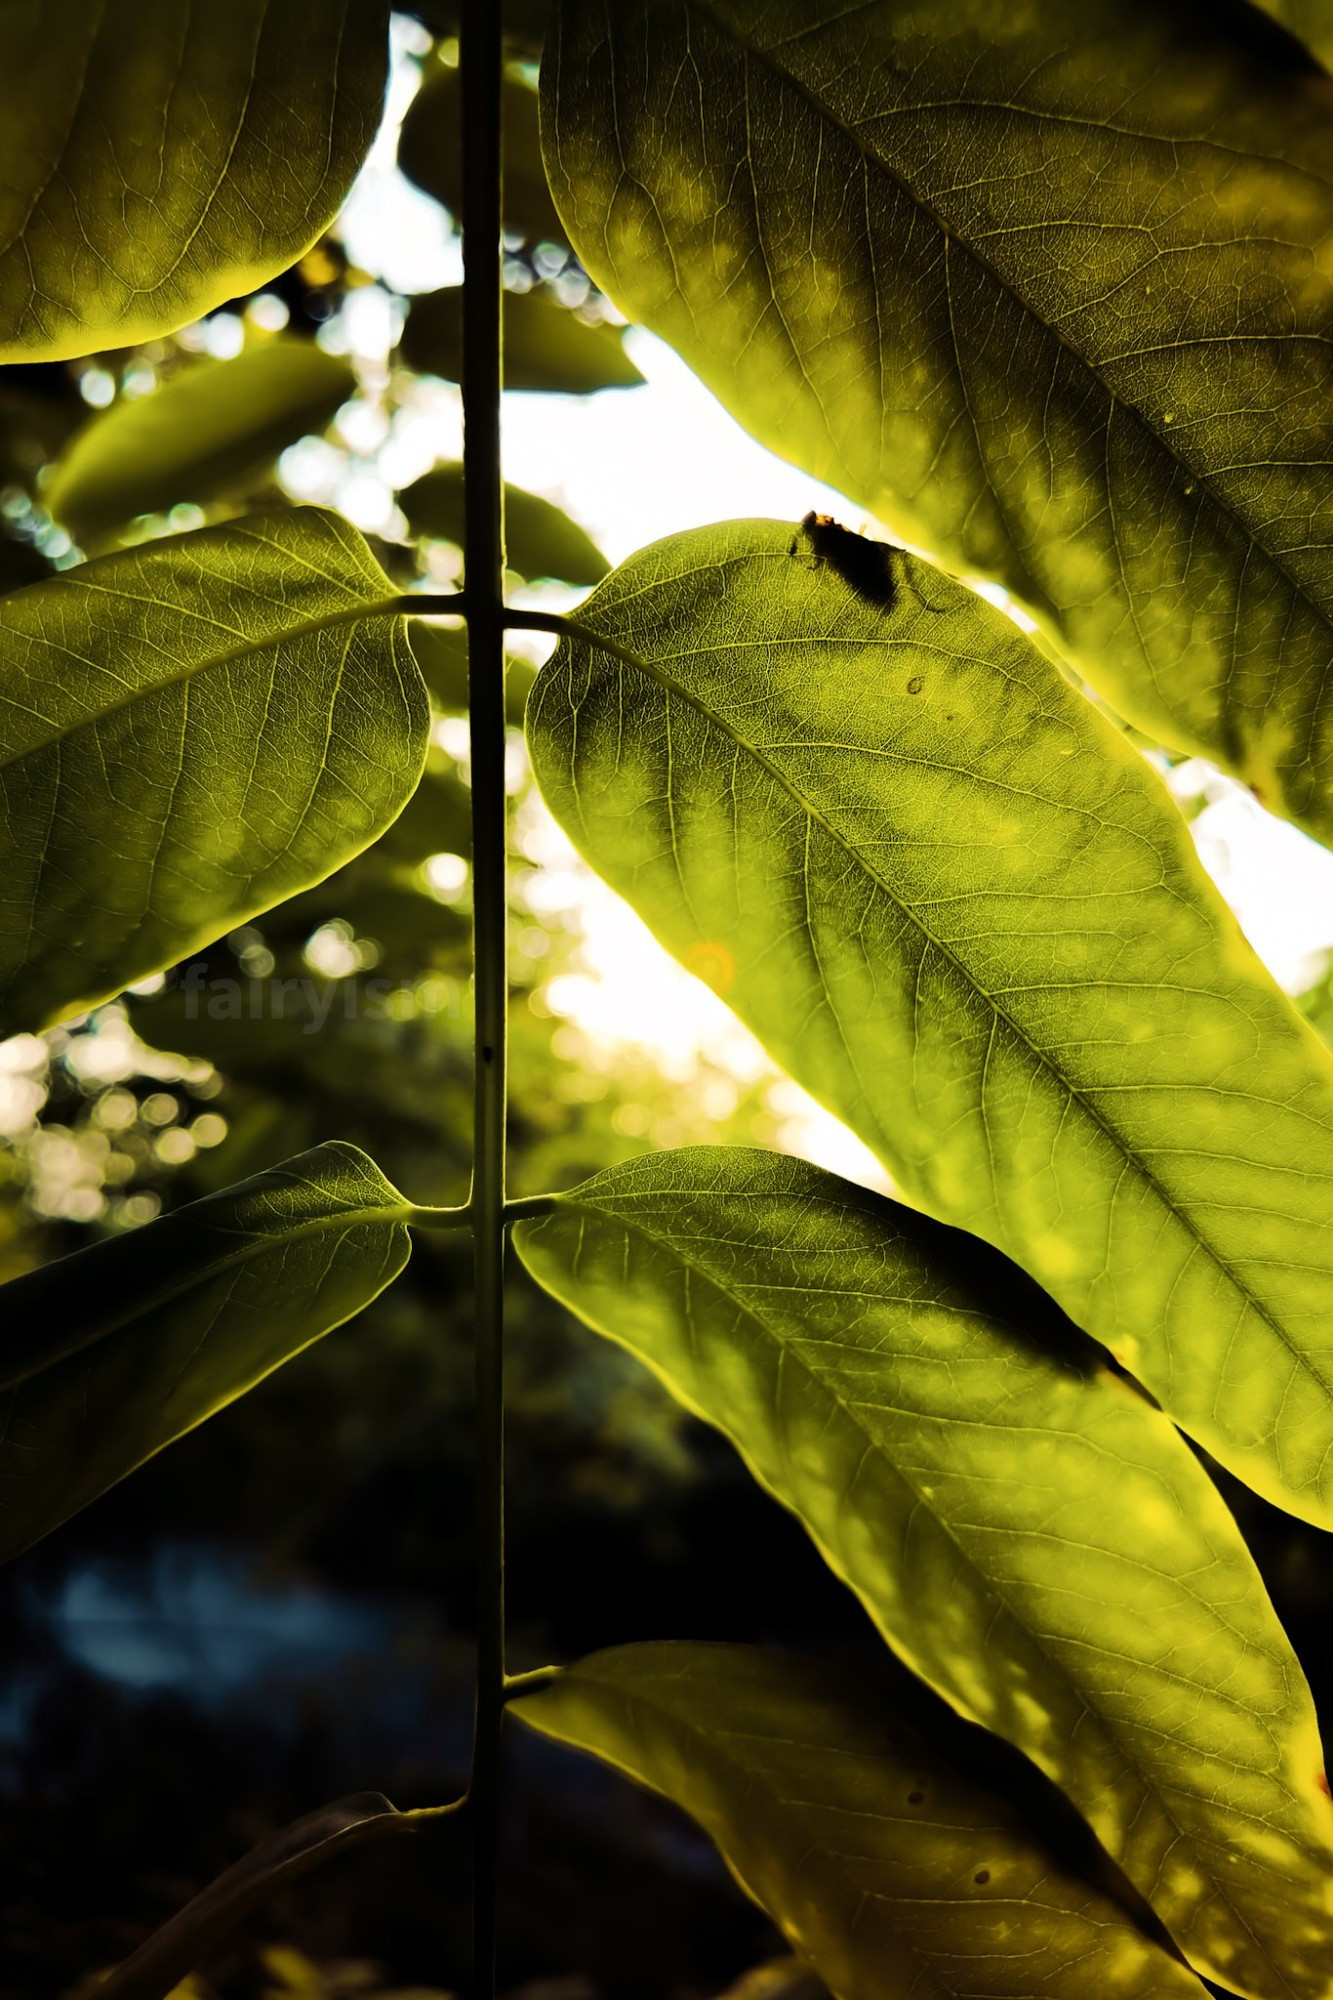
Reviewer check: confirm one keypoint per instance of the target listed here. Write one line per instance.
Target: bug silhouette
(865, 566)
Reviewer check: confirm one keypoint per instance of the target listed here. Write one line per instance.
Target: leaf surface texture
(960, 908)
(1046, 289)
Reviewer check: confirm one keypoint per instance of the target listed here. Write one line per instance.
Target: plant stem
(480, 62)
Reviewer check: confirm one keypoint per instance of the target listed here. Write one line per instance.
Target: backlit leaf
(889, 1871)
(540, 540)
(430, 152)
(1029, 1534)
(191, 731)
(198, 435)
(546, 347)
(960, 909)
(1046, 288)
(108, 1355)
(158, 159)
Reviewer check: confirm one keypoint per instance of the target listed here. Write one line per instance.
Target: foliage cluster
(1050, 299)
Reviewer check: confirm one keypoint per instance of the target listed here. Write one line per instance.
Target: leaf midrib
(753, 1316)
(1200, 477)
(588, 635)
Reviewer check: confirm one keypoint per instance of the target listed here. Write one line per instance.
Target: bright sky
(635, 465)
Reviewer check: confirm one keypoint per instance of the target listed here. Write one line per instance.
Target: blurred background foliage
(278, 1608)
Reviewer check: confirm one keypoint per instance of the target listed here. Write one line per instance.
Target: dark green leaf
(430, 152)
(191, 731)
(441, 653)
(196, 437)
(545, 347)
(539, 539)
(164, 1959)
(110, 1354)
(1311, 21)
(157, 160)
(1029, 1534)
(891, 1873)
(958, 906)
(1048, 290)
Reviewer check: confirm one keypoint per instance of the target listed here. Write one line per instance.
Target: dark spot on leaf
(982, 1875)
(916, 1798)
(915, 685)
(864, 566)
(1321, 1779)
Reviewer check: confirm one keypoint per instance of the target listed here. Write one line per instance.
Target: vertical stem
(481, 64)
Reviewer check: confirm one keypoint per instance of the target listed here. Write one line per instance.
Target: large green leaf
(197, 436)
(545, 347)
(892, 1873)
(1032, 1537)
(1047, 289)
(540, 540)
(157, 160)
(110, 1354)
(430, 152)
(961, 909)
(191, 731)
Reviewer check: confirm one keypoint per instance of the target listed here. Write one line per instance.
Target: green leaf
(430, 153)
(1048, 292)
(110, 1354)
(157, 160)
(893, 1875)
(191, 731)
(1031, 1536)
(165, 1958)
(540, 540)
(199, 435)
(959, 908)
(545, 346)
(441, 653)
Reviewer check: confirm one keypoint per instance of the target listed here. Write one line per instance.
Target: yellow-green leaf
(110, 1354)
(158, 159)
(546, 347)
(1026, 1531)
(958, 906)
(891, 1873)
(1046, 288)
(196, 437)
(191, 731)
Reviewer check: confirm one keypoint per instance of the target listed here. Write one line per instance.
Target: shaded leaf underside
(110, 1354)
(888, 1871)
